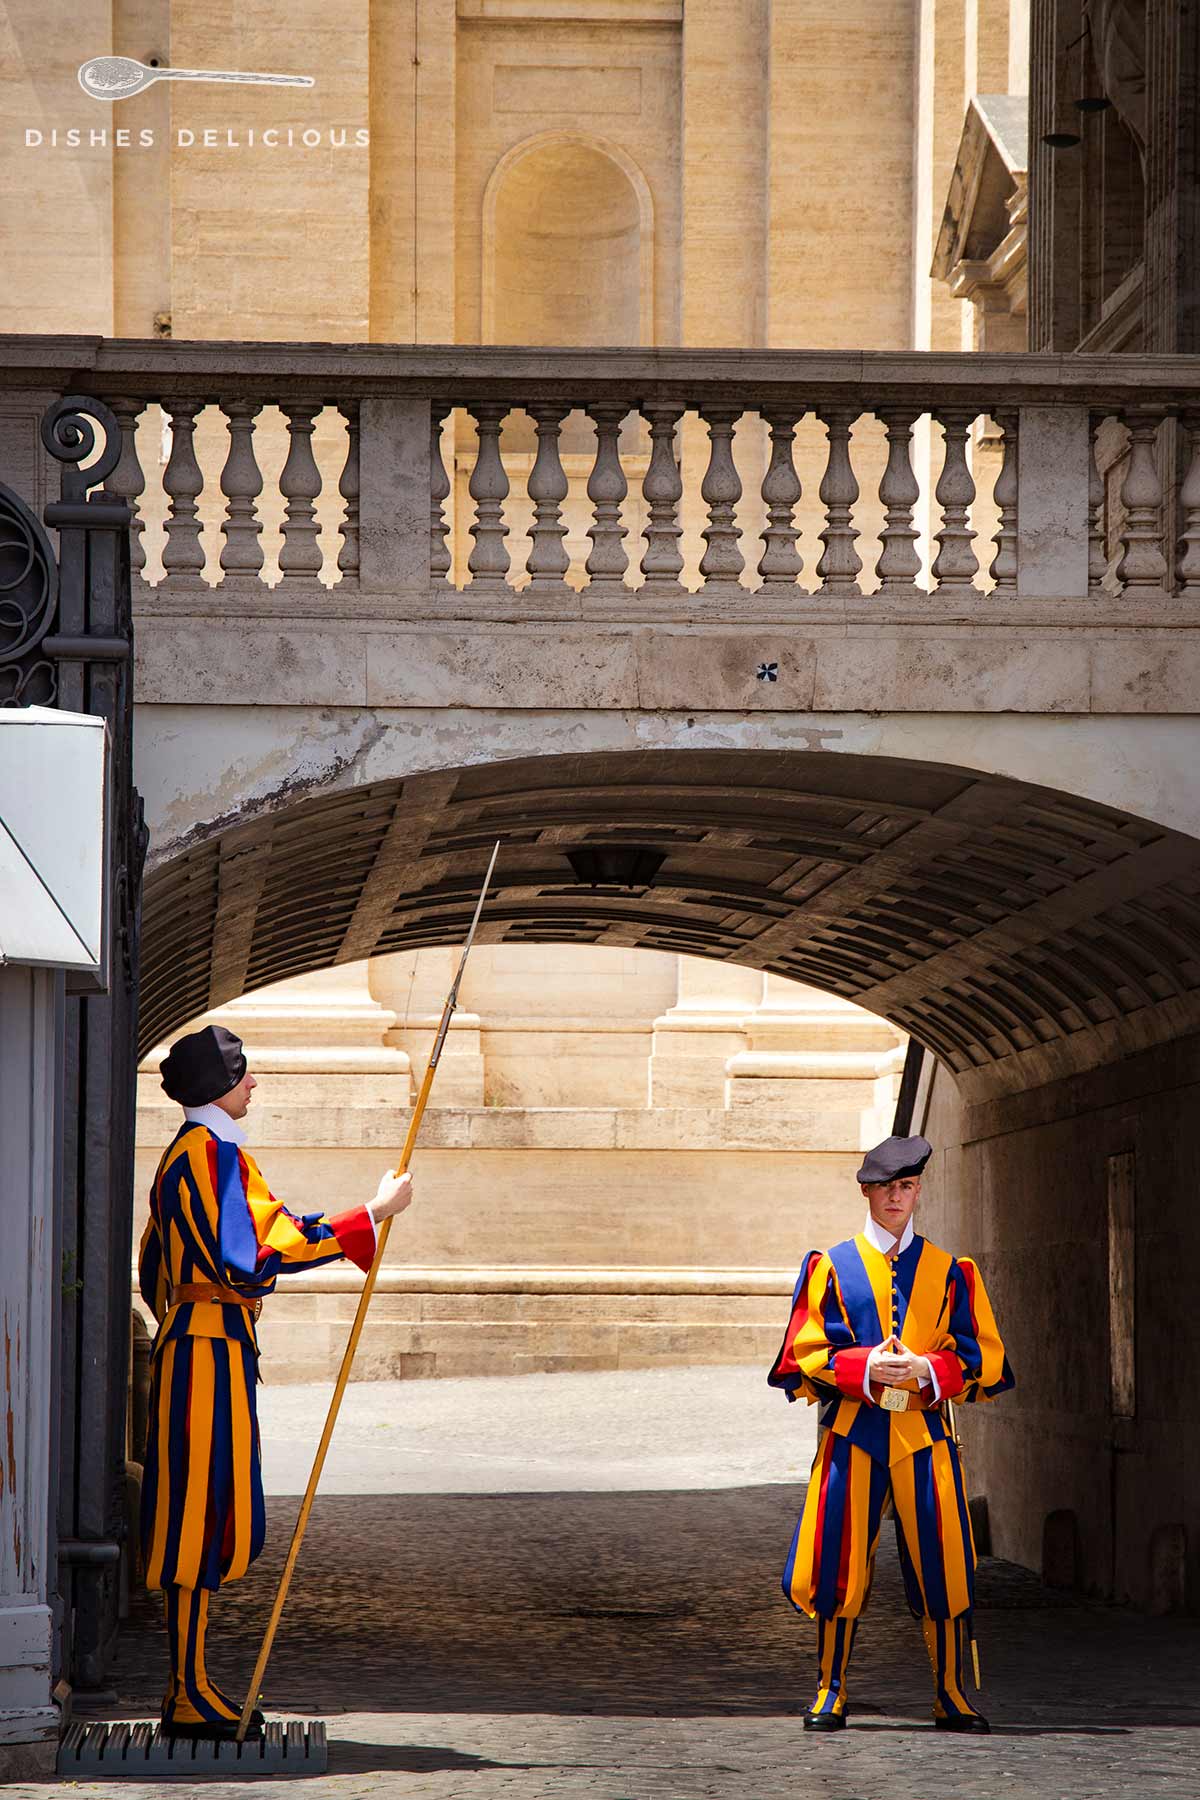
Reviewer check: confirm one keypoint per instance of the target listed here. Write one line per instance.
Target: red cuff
(355, 1233)
(949, 1372)
(849, 1368)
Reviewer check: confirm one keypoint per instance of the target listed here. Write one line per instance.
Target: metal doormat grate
(133, 1752)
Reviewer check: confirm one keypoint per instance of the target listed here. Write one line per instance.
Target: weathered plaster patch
(202, 768)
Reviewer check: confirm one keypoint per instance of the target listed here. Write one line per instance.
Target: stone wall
(755, 174)
(625, 1157)
(1077, 1200)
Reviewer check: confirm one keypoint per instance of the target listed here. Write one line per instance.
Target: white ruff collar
(218, 1122)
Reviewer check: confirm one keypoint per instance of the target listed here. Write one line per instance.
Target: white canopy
(53, 811)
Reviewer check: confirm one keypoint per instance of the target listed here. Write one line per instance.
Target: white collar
(218, 1122)
(883, 1240)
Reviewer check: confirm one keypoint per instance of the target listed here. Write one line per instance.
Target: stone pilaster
(832, 1068)
(414, 987)
(694, 1039)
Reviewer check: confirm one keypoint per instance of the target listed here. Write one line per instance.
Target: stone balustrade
(264, 477)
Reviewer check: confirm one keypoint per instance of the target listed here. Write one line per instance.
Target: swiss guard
(216, 1240)
(886, 1328)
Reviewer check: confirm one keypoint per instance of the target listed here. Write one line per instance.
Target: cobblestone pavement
(551, 1595)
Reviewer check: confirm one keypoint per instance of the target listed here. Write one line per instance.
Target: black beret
(895, 1158)
(203, 1065)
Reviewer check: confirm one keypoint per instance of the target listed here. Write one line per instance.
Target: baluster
(349, 488)
(1097, 548)
(439, 491)
(241, 484)
(127, 480)
(1003, 570)
(488, 487)
(780, 560)
(300, 482)
(1188, 565)
(956, 563)
(548, 562)
(183, 553)
(721, 490)
(840, 562)
(607, 487)
(898, 565)
(1142, 565)
(662, 488)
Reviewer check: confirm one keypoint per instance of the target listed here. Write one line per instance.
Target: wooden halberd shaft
(360, 1315)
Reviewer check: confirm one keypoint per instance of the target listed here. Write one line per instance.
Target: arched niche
(568, 245)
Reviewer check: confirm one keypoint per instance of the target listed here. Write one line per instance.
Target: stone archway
(1045, 946)
(1019, 932)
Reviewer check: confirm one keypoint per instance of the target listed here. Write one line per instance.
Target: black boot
(824, 1721)
(213, 1731)
(971, 1721)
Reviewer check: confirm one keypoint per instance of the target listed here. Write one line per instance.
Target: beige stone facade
(732, 173)
(625, 1155)
(725, 173)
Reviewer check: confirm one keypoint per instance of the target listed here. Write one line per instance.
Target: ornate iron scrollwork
(29, 589)
(69, 434)
(28, 601)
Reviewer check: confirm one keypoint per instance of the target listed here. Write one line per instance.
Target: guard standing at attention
(885, 1327)
(216, 1240)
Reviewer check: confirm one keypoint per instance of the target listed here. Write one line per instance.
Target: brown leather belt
(191, 1293)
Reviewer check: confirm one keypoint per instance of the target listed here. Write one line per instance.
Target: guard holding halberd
(216, 1240)
(885, 1330)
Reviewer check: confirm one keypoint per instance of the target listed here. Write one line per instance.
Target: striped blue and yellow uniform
(848, 1300)
(213, 1220)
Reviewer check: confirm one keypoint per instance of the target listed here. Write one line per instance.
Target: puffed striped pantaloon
(203, 1520)
(832, 1557)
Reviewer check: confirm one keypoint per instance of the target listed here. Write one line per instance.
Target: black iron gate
(66, 640)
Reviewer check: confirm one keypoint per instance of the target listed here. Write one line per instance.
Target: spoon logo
(120, 77)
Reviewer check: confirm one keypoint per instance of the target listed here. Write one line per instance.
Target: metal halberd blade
(483, 893)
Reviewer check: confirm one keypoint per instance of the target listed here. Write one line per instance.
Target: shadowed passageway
(606, 1620)
(1014, 929)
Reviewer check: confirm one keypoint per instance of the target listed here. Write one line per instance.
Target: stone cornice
(151, 367)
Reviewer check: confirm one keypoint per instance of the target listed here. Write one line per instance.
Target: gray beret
(894, 1158)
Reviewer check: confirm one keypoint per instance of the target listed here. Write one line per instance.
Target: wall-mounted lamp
(615, 865)
(1067, 138)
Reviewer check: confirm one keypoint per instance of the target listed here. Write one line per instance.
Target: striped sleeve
(974, 1358)
(152, 1274)
(818, 1357)
(261, 1239)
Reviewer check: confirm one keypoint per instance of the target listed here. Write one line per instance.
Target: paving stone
(629, 1643)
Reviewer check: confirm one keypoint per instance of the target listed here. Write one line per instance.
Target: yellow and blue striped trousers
(831, 1562)
(832, 1557)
